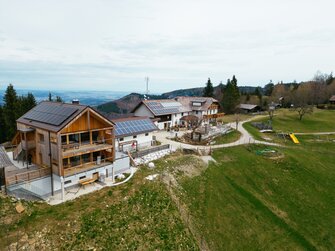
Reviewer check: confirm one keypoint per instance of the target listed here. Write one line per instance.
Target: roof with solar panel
(52, 116)
(133, 126)
(164, 106)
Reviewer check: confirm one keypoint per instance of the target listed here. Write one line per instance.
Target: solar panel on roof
(134, 127)
(50, 114)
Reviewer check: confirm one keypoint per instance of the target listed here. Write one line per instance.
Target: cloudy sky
(113, 45)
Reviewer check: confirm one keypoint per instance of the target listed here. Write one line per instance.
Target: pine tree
(25, 103)
(231, 96)
(2, 126)
(10, 111)
(50, 96)
(258, 93)
(209, 89)
(59, 99)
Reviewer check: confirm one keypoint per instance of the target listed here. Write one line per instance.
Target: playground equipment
(294, 138)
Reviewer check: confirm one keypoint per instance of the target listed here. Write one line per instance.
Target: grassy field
(232, 118)
(287, 121)
(247, 201)
(227, 138)
(138, 215)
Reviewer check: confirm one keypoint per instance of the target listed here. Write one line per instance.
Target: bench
(86, 181)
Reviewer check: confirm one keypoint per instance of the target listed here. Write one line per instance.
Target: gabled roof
(332, 98)
(163, 106)
(133, 126)
(52, 116)
(248, 106)
(188, 102)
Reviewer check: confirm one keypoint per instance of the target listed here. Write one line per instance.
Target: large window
(95, 136)
(86, 158)
(64, 142)
(85, 138)
(75, 161)
(73, 138)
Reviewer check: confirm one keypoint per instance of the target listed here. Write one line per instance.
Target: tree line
(14, 106)
(309, 93)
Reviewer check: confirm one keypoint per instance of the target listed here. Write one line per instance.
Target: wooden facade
(85, 141)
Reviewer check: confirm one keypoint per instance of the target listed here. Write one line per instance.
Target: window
(41, 137)
(135, 136)
(86, 158)
(147, 134)
(121, 139)
(95, 136)
(73, 138)
(82, 177)
(64, 141)
(182, 114)
(85, 138)
(75, 161)
(67, 182)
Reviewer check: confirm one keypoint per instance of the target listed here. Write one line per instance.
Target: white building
(133, 133)
(168, 112)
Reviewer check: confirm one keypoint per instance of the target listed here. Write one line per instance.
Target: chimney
(75, 101)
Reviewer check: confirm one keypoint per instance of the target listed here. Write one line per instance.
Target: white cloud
(114, 44)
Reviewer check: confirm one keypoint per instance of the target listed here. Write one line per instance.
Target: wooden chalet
(62, 139)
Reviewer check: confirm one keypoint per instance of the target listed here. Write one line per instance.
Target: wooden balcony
(74, 149)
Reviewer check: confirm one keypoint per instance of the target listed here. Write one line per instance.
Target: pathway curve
(246, 138)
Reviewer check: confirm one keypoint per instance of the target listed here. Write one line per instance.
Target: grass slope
(249, 202)
(138, 215)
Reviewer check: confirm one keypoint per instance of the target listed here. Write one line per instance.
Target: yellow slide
(294, 138)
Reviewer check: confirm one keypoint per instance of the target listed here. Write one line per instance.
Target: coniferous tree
(10, 111)
(59, 99)
(209, 89)
(231, 96)
(2, 126)
(258, 93)
(50, 96)
(25, 103)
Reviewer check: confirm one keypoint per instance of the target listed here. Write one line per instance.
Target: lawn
(247, 201)
(227, 138)
(138, 215)
(286, 120)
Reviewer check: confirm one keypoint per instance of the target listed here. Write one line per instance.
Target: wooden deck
(83, 149)
(21, 175)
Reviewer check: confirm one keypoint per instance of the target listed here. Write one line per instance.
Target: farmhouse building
(59, 145)
(249, 108)
(133, 133)
(169, 112)
(332, 100)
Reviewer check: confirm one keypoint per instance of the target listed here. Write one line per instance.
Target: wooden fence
(27, 176)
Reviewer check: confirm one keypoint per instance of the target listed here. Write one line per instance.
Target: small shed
(249, 108)
(332, 100)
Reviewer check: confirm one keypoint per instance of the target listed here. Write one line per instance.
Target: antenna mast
(147, 85)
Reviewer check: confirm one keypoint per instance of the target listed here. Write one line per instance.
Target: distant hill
(125, 104)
